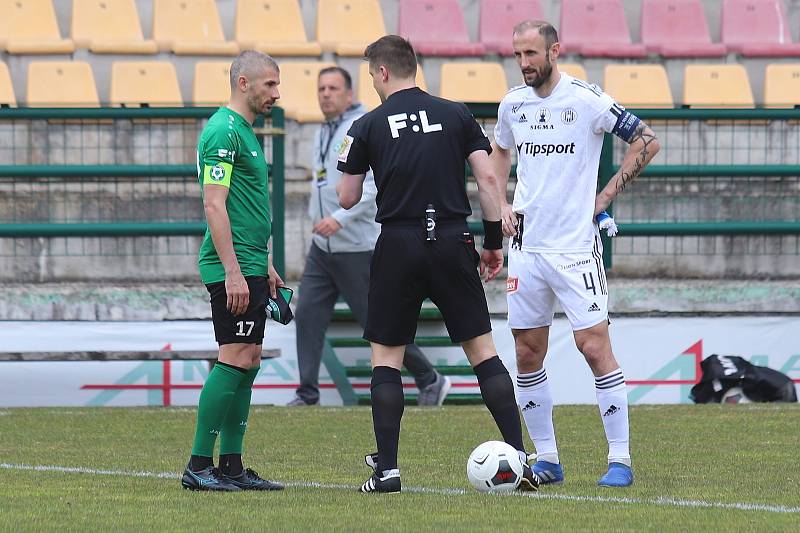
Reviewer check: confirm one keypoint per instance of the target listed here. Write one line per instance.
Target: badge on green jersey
(218, 174)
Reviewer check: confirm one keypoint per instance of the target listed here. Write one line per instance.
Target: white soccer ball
(734, 395)
(494, 466)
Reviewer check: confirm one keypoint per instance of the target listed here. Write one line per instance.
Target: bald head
(249, 64)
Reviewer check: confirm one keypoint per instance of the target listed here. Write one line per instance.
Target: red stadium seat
(436, 27)
(757, 28)
(596, 28)
(677, 28)
(498, 18)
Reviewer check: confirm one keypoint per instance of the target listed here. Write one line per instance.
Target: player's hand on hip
(491, 264)
(508, 219)
(237, 292)
(327, 227)
(275, 281)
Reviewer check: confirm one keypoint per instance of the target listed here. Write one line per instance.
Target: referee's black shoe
(209, 478)
(530, 481)
(250, 480)
(388, 483)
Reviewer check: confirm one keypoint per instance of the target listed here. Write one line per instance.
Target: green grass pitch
(711, 468)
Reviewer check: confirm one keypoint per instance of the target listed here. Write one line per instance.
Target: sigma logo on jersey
(528, 148)
(512, 284)
(398, 122)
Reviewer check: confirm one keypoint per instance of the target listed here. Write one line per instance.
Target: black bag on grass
(758, 383)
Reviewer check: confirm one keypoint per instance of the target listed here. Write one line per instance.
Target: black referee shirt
(416, 145)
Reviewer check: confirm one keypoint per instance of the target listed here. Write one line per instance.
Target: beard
(543, 75)
(255, 108)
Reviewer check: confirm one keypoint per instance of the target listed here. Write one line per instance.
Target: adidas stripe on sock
(536, 402)
(612, 399)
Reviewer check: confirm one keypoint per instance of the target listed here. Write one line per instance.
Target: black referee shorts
(243, 329)
(406, 269)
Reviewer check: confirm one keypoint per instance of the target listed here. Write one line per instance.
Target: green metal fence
(113, 182)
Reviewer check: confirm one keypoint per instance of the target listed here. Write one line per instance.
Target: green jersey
(229, 154)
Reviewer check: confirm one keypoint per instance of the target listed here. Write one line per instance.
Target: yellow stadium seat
(190, 27)
(109, 27)
(639, 86)
(366, 92)
(6, 88)
(30, 27)
(348, 26)
(299, 90)
(152, 83)
(782, 85)
(274, 27)
(61, 84)
(473, 82)
(212, 85)
(573, 69)
(715, 86)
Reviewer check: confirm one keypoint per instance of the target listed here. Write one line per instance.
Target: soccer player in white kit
(556, 124)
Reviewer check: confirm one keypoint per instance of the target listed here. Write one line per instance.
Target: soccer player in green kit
(235, 267)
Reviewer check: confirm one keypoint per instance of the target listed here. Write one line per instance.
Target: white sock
(536, 402)
(612, 399)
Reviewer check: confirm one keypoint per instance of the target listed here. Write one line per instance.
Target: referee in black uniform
(416, 145)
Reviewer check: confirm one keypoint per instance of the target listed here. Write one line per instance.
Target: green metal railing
(115, 172)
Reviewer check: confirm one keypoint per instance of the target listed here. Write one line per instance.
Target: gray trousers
(325, 277)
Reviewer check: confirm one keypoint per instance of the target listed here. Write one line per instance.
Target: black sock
(387, 410)
(231, 464)
(497, 391)
(200, 462)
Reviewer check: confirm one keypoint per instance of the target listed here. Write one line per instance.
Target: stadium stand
(7, 98)
(190, 28)
(575, 70)
(782, 85)
(144, 83)
(61, 84)
(437, 28)
(473, 82)
(497, 21)
(299, 90)
(30, 27)
(366, 93)
(677, 28)
(346, 27)
(211, 85)
(274, 27)
(757, 28)
(638, 85)
(716, 86)
(596, 28)
(109, 27)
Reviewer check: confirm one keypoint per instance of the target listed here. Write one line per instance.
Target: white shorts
(535, 280)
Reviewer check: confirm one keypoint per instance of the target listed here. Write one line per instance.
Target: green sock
(215, 399)
(232, 434)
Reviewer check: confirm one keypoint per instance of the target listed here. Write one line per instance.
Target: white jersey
(558, 141)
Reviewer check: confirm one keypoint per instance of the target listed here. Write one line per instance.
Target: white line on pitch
(662, 501)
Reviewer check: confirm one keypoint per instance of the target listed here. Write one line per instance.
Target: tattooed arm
(643, 146)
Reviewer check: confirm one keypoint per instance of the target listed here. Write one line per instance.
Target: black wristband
(492, 235)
